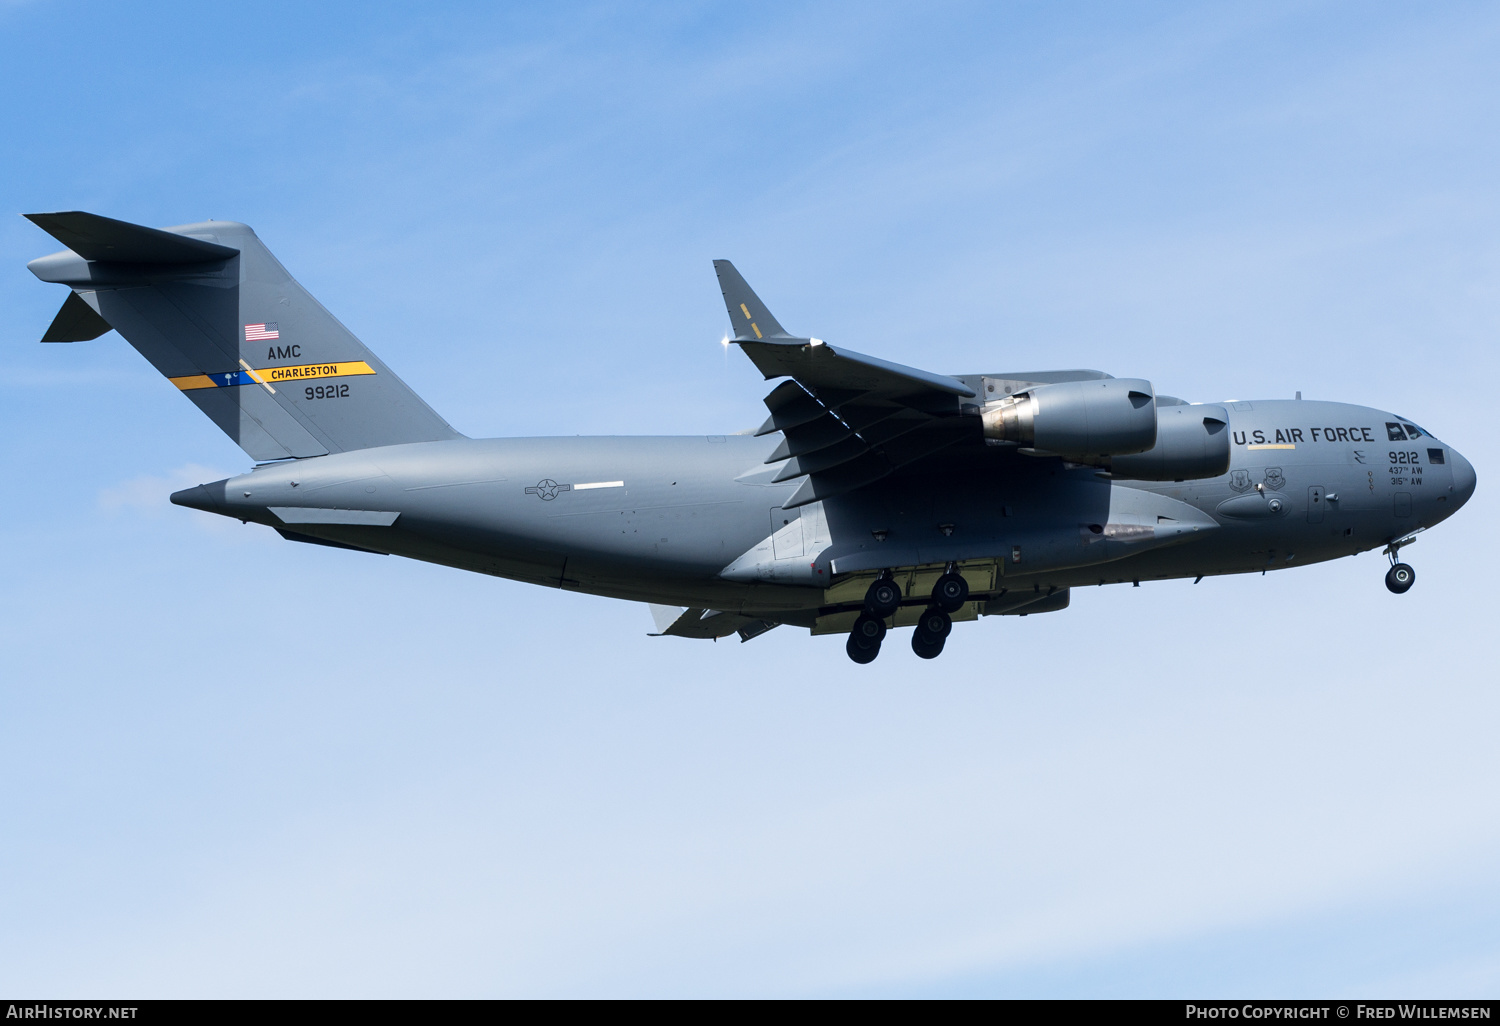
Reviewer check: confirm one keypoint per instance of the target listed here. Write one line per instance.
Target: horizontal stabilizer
(103, 238)
(76, 322)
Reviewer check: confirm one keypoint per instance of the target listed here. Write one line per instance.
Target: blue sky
(233, 766)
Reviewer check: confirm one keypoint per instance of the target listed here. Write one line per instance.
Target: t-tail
(221, 319)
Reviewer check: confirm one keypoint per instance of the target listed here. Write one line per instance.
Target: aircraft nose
(1464, 479)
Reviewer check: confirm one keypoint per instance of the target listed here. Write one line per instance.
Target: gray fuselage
(660, 519)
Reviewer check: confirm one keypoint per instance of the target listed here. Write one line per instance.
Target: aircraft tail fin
(747, 314)
(213, 311)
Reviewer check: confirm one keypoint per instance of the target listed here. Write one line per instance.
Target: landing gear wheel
(883, 598)
(934, 623)
(1400, 577)
(861, 655)
(925, 645)
(868, 631)
(864, 640)
(950, 592)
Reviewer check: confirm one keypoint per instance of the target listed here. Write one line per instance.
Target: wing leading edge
(847, 419)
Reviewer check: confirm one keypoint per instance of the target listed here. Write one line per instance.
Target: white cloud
(149, 494)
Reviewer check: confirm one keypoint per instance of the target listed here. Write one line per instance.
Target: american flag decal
(260, 332)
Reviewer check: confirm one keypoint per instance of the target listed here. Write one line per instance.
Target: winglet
(748, 316)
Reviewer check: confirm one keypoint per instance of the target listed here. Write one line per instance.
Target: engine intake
(1084, 421)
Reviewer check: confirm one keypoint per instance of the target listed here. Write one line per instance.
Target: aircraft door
(1316, 504)
(786, 532)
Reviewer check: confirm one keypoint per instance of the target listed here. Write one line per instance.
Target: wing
(846, 419)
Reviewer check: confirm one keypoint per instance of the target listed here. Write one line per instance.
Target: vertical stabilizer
(213, 311)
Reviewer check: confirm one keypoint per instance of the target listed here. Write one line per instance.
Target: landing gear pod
(1078, 420)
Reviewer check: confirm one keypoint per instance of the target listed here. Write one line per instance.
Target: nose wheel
(1400, 577)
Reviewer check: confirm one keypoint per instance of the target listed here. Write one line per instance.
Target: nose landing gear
(1400, 577)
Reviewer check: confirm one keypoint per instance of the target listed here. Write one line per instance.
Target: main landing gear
(864, 640)
(932, 631)
(949, 593)
(881, 603)
(1400, 577)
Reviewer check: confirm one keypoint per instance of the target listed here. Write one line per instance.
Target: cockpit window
(1394, 432)
(1412, 431)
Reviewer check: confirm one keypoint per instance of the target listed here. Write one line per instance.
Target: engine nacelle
(1082, 421)
(1191, 442)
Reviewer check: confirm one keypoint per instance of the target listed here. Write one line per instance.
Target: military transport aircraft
(875, 496)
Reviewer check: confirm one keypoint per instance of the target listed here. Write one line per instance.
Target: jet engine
(1083, 421)
(1191, 442)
